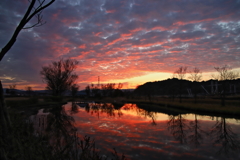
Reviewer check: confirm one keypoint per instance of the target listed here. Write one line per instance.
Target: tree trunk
(195, 92)
(5, 120)
(180, 91)
(5, 125)
(223, 94)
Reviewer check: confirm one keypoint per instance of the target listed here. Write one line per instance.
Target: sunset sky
(126, 41)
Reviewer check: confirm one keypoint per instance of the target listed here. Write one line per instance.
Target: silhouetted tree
(225, 73)
(180, 73)
(195, 76)
(88, 90)
(111, 90)
(108, 89)
(35, 9)
(12, 89)
(95, 91)
(29, 90)
(59, 76)
(74, 89)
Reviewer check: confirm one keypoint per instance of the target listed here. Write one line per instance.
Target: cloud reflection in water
(142, 134)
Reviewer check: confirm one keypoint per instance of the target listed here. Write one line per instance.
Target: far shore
(207, 106)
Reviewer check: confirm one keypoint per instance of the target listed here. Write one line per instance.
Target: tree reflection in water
(183, 130)
(74, 108)
(149, 114)
(222, 134)
(100, 108)
(196, 133)
(178, 128)
(111, 110)
(64, 140)
(61, 132)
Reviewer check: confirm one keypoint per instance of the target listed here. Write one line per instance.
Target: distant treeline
(171, 87)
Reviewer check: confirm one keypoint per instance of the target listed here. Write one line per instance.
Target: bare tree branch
(26, 18)
(225, 73)
(195, 75)
(180, 73)
(59, 76)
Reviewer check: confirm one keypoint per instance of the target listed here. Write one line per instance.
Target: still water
(145, 135)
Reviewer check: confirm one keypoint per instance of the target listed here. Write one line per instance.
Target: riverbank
(208, 106)
(30, 105)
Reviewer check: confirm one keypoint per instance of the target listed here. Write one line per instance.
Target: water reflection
(141, 112)
(61, 132)
(143, 134)
(64, 141)
(224, 136)
(147, 114)
(101, 108)
(74, 108)
(196, 132)
(178, 128)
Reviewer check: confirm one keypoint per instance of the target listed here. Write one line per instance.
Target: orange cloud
(115, 41)
(126, 35)
(159, 28)
(110, 11)
(97, 43)
(180, 23)
(136, 30)
(83, 46)
(97, 34)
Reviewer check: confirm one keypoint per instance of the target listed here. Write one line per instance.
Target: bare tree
(29, 90)
(111, 89)
(180, 73)
(74, 89)
(59, 76)
(35, 9)
(225, 73)
(195, 76)
(12, 89)
(88, 90)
